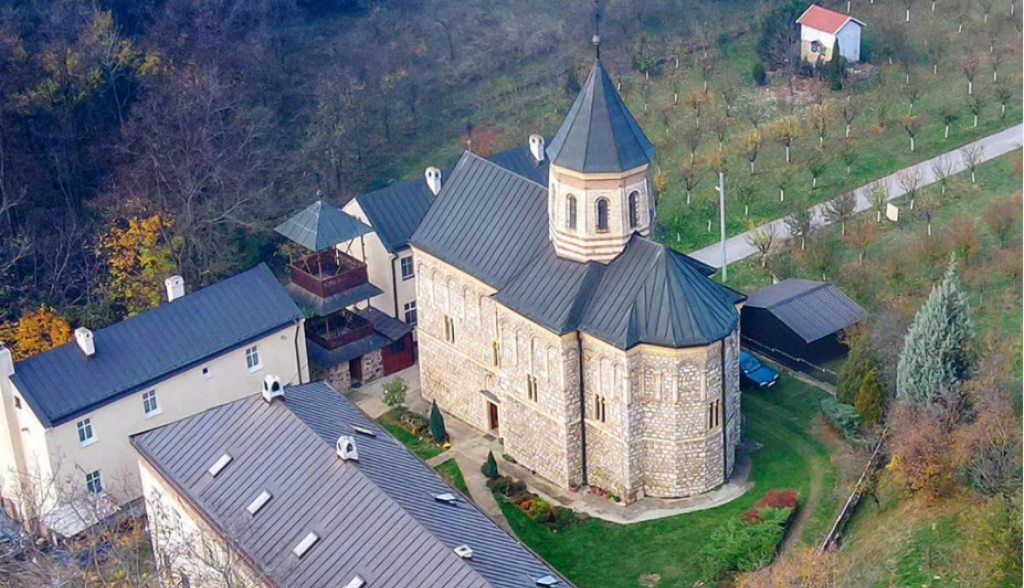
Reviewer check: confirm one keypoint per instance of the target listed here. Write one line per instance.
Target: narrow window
(252, 358)
(207, 374)
(602, 215)
(571, 212)
(410, 312)
(17, 402)
(599, 408)
(714, 414)
(149, 404)
(407, 270)
(634, 204)
(495, 354)
(449, 329)
(93, 482)
(531, 388)
(85, 432)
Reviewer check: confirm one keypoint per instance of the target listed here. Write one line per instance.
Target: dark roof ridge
(496, 166)
(799, 295)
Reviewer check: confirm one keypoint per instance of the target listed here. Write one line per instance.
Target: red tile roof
(824, 19)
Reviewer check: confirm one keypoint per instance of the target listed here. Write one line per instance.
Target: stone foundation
(337, 376)
(373, 366)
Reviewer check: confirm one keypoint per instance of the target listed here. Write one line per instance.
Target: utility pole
(721, 223)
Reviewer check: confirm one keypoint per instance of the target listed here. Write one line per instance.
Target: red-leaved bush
(772, 499)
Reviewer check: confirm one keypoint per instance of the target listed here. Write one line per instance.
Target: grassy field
(783, 420)
(450, 471)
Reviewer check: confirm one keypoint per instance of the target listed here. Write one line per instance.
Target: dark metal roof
(63, 383)
(396, 211)
(321, 226)
(391, 328)
(376, 517)
(325, 306)
(599, 134)
(493, 224)
(520, 161)
(811, 309)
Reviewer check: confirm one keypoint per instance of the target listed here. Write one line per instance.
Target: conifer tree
(835, 69)
(937, 351)
(870, 403)
(437, 430)
(490, 469)
(852, 372)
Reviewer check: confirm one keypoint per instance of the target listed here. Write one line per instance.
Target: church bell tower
(599, 190)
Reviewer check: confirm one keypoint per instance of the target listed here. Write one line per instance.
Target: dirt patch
(649, 580)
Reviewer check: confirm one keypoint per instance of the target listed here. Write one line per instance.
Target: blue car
(755, 374)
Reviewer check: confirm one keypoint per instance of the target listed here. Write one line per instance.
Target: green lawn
(600, 554)
(425, 449)
(450, 471)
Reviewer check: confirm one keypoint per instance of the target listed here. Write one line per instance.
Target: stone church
(549, 316)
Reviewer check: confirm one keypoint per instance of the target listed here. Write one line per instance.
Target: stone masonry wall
(337, 376)
(373, 365)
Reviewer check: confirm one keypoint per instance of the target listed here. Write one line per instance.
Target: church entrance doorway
(492, 416)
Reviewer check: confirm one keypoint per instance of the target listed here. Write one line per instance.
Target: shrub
(870, 403)
(394, 392)
(852, 372)
(740, 546)
(758, 73)
(437, 430)
(490, 467)
(786, 498)
(843, 417)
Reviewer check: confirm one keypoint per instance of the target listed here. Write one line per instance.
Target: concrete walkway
(738, 248)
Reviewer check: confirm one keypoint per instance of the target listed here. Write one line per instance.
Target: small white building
(819, 29)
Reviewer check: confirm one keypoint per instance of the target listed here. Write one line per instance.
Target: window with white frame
(407, 269)
(149, 403)
(252, 358)
(410, 312)
(94, 482)
(86, 435)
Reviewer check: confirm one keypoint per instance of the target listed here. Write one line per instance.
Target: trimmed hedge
(749, 543)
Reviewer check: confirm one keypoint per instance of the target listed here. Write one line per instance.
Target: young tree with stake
(972, 156)
(862, 234)
(879, 198)
(1003, 95)
(975, 104)
(841, 209)
(942, 168)
(762, 239)
(816, 164)
(751, 145)
(849, 108)
(745, 194)
(819, 116)
(949, 116)
(912, 125)
(910, 180)
(690, 174)
(847, 154)
(782, 178)
(799, 221)
(785, 130)
(928, 204)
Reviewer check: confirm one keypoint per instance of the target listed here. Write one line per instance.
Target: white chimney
(537, 148)
(346, 448)
(272, 388)
(6, 362)
(433, 179)
(84, 338)
(175, 288)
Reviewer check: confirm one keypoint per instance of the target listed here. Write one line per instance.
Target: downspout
(298, 360)
(725, 419)
(394, 284)
(583, 411)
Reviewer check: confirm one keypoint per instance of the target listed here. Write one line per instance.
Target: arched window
(602, 215)
(634, 205)
(571, 212)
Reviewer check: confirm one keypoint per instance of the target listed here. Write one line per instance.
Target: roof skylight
(307, 542)
(258, 503)
(364, 431)
(356, 582)
(446, 497)
(221, 463)
(548, 580)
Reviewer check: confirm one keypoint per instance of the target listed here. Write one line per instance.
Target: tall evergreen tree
(437, 430)
(853, 371)
(870, 403)
(937, 352)
(835, 69)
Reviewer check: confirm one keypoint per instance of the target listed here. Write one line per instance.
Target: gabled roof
(811, 309)
(396, 211)
(63, 383)
(825, 20)
(376, 517)
(493, 224)
(321, 226)
(599, 134)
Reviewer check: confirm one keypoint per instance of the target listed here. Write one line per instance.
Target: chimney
(433, 179)
(175, 288)
(85, 341)
(272, 388)
(6, 362)
(537, 148)
(346, 448)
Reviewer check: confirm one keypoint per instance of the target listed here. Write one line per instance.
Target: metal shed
(801, 318)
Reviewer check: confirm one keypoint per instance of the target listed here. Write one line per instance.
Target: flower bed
(555, 518)
(413, 430)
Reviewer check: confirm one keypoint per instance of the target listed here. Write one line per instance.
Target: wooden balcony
(341, 328)
(328, 273)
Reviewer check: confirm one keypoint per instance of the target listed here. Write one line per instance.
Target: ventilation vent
(464, 551)
(356, 582)
(306, 544)
(447, 497)
(548, 580)
(219, 465)
(259, 502)
(272, 388)
(363, 431)
(346, 448)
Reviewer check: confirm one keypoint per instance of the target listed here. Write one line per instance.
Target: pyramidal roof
(599, 134)
(322, 225)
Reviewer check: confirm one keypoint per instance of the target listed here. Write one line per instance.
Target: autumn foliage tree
(138, 259)
(37, 330)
